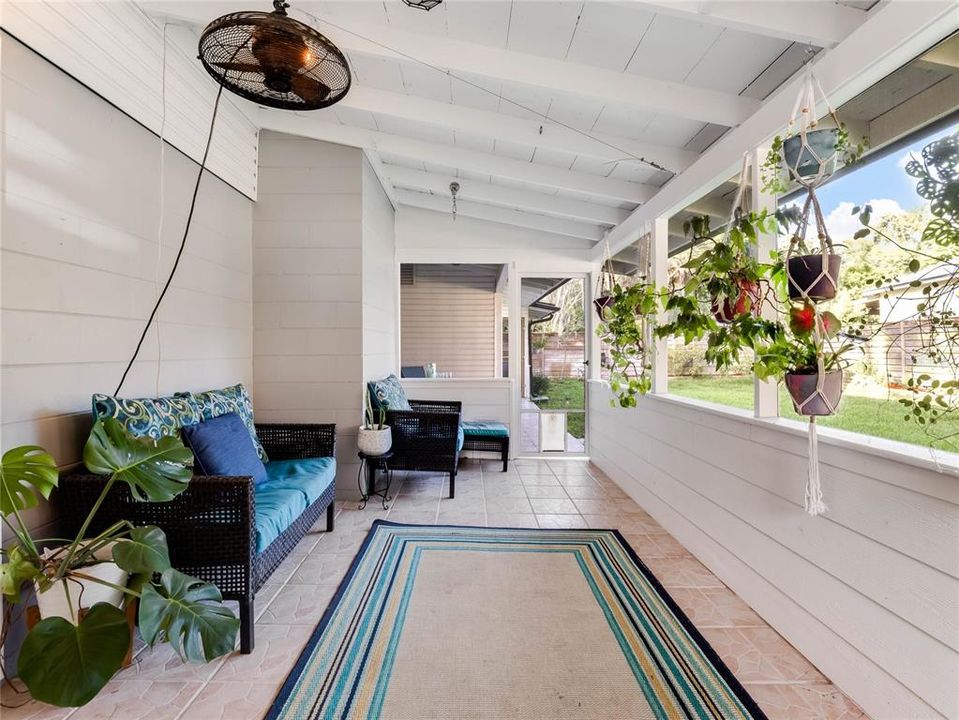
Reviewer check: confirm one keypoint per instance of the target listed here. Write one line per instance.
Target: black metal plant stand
(372, 463)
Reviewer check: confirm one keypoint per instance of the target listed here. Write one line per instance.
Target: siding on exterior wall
(448, 317)
(81, 262)
(126, 66)
(868, 592)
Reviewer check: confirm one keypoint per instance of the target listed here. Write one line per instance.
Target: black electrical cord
(179, 254)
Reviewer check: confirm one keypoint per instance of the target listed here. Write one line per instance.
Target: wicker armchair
(425, 437)
(210, 526)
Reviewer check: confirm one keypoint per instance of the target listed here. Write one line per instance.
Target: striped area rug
(465, 622)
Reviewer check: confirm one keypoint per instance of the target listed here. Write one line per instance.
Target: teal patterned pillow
(150, 417)
(388, 393)
(213, 403)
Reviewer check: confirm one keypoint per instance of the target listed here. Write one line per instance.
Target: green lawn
(870, 416)
(567, 394)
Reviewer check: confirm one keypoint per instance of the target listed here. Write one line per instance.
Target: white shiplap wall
(379, 279)
(80, 261)
(449, 317)
(117, 51)
(868, 592)
(307, 288)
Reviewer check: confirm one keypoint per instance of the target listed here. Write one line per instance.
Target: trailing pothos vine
(625, 328)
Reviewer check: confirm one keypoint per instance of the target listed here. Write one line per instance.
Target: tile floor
(554, 494)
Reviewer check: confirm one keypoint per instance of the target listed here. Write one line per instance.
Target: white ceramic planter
(64, 598)
(374, 442)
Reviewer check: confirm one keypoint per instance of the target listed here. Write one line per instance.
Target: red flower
(802, 319)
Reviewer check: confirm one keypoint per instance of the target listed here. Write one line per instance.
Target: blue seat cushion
(276, 509)
(222, 446)
(480, 428)
(310, 476)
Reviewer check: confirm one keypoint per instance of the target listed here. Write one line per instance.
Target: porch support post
(659, 250)
(516, 368)
(766, 392)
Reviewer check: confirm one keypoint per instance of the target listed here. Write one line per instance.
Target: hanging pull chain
(454, 188)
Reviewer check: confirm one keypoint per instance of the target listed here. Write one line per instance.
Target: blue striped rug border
(727, 675)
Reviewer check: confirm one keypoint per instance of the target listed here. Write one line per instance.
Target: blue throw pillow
(223, 446)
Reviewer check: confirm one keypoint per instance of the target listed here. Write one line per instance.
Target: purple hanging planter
(802, 389)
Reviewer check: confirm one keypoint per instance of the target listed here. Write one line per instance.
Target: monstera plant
(83, 584)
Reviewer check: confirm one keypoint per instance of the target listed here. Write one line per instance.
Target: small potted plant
(727, 273)
(83, 636)
(809, 357)
(808, 156)
(604, 290)
(374, 436)
(812, 271)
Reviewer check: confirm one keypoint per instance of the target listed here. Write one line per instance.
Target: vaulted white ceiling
(540, 110)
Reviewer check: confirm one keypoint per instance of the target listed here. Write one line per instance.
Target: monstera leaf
(144, 552)
(67, 665)
(155, 470)
(15, 572)
(187, 613)
(24, 472)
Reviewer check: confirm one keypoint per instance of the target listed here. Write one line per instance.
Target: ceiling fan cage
(274, 60)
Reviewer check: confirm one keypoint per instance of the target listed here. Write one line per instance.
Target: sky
(882, 184)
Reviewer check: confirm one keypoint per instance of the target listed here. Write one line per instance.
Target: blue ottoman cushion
(480, 428)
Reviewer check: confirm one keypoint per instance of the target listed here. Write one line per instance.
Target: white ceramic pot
(64, 598)
(374, 442)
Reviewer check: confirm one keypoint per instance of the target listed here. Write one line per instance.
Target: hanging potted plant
(808, 153)
(726, 272)
(625, 330)
(605, 286)
(83, 636)
(812, 271)
(809, 356)
(374, 436)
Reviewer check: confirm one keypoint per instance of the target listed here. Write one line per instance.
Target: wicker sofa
(212, 527)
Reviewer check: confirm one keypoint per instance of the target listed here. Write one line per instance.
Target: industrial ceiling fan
(274, 60)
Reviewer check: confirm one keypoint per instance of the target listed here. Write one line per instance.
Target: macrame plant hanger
(814, 503)
(804, 116)
(605, 282)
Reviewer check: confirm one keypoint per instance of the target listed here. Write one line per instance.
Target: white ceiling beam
(376, 163)
(451, 156)
(534, 133)
(824, 24)
(617, 88)
(557, 226)
(408, 178)
(893, 34)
